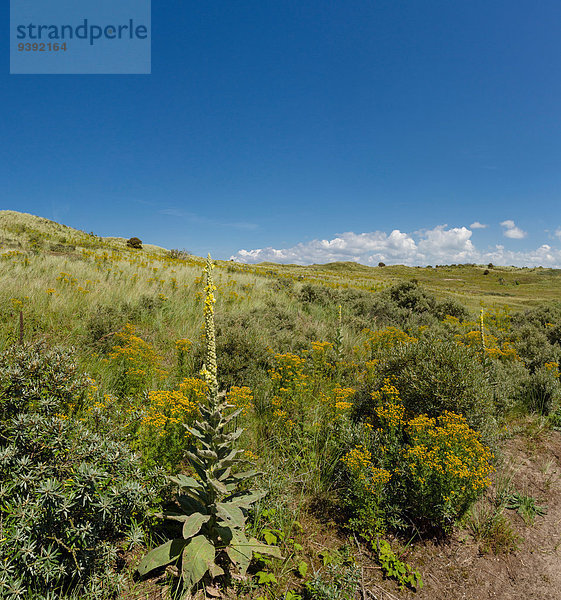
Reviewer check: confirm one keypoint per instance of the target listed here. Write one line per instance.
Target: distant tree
(134, 242)
(490, 266)
(381, 264)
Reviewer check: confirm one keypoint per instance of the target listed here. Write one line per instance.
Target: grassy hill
(377, 404)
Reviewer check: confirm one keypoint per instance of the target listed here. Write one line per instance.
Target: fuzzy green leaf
(193, 524)
(231, 513)
(196, 560)
(231, 417)
(218, 486)
(161, 556)
(240, 552)
(215, 570)
(190, 505)
(197, 495)
(247, 500)
(225, 532)
(184, 481)
(223, 476)
(246, 475)
(193, 431)
(194, 459)
(257, 546)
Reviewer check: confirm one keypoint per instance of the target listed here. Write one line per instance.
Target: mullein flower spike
(209, 371)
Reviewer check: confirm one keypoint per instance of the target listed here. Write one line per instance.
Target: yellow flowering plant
(379, 341)
(427, 469)
(134, 361)
(289, 389)
(162, 436)
(447, 468)
(365, 494)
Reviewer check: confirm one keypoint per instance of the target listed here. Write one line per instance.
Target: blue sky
(309, 131)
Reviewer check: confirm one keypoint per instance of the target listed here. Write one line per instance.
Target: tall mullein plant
(482, 341)
(338, 345)
(213, 505)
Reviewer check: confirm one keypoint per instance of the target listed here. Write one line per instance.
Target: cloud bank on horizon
(440, 245)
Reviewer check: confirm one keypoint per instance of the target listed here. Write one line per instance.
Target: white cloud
(478, 225)
(558, 232)
(512, 231)
(448, 245)
(440, 245)
(358, 247)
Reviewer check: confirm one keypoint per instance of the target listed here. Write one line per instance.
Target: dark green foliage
(410, 296)
(247, 357)
(108, 319)
(135, 243)
(508, 380)
(405, 304)
(533, 347)
(66, 494)
(38, 378)
(546, 318)
(540, 392)
(245, 340)
(432, 376)
(317, 294)
(282, 284)
(451, 307)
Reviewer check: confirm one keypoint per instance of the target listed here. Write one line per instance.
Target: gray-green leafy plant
(212, 507)
(67, 495)
(525, 506)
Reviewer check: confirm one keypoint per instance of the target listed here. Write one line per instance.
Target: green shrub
(507, 378)
(432, 376)
(66, 495)
(540, 392)
(412, 297)
(135, 243)
(451, 307)
(38, 378)
(248, 359)
(317, 294)
(533, 347)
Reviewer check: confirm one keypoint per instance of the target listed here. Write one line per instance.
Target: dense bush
(134, 242)
(317, 294)
(540, 391)
(533, 347)
(421, 470)
(405, 304)
(67, 495)
(38, 378)
(432, 376)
